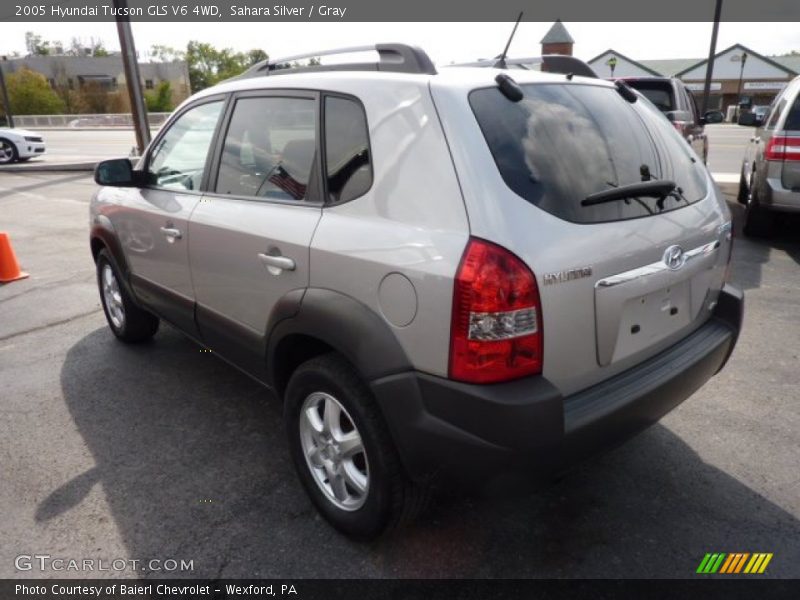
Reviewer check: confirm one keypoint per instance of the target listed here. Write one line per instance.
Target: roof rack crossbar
(397, 58)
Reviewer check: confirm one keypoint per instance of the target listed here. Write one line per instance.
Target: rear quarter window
(793, 118)
(563, 142)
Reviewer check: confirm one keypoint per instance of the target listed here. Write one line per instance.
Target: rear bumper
(466, 433)
(779, 198)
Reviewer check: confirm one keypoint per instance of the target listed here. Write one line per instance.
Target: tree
(35, 45)
(159, 99)
(94, 97)
(791, 53)
(166, 53)
(207, 65)
(30, 94)
(255, 56)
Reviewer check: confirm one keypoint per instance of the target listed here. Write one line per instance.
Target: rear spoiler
(549, 63)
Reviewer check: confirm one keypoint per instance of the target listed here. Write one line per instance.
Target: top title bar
(396, 10)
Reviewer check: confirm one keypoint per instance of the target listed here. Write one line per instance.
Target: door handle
(278, 263)
(171, 233)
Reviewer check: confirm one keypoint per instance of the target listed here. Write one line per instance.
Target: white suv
(444, 276)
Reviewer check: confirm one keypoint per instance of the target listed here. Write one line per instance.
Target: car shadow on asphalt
(191, 458)
(751, 254)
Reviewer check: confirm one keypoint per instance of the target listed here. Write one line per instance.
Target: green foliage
(208, 65)
(159, 99)
(35, 45)
(30, 94)
(166, 53)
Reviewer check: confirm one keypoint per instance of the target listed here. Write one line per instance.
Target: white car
(19, 145)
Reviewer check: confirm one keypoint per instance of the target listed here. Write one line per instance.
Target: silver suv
(769, 184)
(445, 277)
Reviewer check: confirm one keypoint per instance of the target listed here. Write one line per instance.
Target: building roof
(790, 62)
(746, 49)
(558, 34)
(669, 66)
(641, 64)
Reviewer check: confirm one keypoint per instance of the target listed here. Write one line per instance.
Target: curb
(49, 167)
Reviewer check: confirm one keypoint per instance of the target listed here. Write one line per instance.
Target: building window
(148, 84)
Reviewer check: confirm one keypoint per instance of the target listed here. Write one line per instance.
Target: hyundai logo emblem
(674, 257)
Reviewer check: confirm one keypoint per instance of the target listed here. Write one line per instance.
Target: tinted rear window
(793, 118)
(563, 142)
(658, 93)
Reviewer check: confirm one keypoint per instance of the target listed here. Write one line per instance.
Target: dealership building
(737, 70)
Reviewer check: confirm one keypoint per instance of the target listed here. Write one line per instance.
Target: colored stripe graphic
(759, 562)
(711, 562)
(720, 562)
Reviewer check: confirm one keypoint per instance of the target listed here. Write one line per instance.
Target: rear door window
(564, 142)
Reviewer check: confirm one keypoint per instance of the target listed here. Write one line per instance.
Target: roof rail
(396, 58)
(550, 63)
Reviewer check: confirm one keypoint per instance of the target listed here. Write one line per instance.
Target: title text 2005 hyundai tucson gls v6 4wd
(444, 276)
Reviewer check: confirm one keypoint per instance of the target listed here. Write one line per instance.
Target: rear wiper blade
(651, 189)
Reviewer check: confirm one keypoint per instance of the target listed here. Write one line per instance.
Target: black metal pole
(711, 52)
(132, 77)
(6, 101)
(741, 76)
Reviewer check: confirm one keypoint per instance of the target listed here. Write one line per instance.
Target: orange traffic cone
(9, 267)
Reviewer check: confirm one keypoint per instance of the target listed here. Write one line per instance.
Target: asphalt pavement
(161, 451)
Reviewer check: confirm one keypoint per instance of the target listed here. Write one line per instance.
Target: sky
(444, 42)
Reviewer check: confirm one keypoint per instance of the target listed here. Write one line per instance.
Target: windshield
(564, 142)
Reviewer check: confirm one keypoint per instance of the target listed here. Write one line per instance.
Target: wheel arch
(328, 321)
(103, 236)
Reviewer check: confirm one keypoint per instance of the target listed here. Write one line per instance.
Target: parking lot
(162, 451)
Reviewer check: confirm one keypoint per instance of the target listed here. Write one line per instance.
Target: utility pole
(132, 78)
(4, 91)
(742, 59)
(711, 52)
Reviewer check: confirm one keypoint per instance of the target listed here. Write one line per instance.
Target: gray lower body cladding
(469, 434)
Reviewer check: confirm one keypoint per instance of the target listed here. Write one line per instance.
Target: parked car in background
(444, 275)
(19, 145)
(760, 111)
(769, 183)
(676, 101)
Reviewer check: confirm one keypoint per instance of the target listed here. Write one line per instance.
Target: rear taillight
(780, 147)
(496, 330)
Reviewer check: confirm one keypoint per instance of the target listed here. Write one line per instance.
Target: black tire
(757, 221)
(136, 325)
(391, 498)
(11, 155)
(741, 197)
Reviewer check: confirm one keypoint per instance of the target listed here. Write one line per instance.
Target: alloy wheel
(334, 451)
(112, 297)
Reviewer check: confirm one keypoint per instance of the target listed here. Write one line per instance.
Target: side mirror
(117, 172)
(713, 116)
(748, 119)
